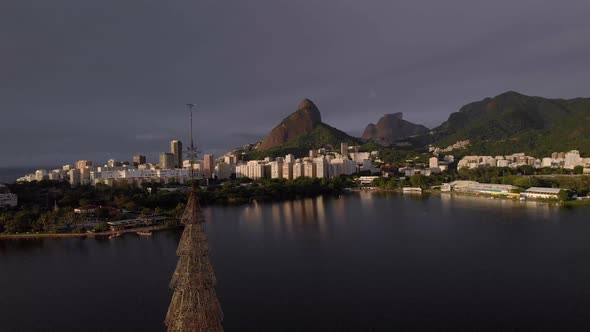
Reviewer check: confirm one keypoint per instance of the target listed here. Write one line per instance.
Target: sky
(108, 79)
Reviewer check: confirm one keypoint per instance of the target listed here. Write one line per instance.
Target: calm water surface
(353, 263)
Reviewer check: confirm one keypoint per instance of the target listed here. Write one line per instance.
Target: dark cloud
(102, 79)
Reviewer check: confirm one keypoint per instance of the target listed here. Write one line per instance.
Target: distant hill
(300, 132)
(390, 128)
(513, 122)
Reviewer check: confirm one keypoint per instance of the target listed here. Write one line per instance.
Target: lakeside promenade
(30, 236)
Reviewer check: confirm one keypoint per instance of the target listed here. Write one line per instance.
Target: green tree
(419, 181)
(101, 227)
(103, 213)
(564, 195)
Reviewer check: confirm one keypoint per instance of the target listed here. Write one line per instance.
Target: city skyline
(356, 61)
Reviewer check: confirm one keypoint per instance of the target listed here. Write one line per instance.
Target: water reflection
(529, 210)
(287, 217)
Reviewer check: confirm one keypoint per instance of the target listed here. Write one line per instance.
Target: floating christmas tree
(194, 305)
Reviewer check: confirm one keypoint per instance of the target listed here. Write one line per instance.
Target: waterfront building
(309, 169)
(85, 175)
(86, 209)
(411, 190)
(322, 167)
(256, 169)
(113, 163)
(342, 166)
(572, 159)
(231, 160)
(503, 163)
(7, 199)
(56, 175)
(359, 157)
(83, 164)
(539, 192)
(482, 188)
(139, 160)
(176, 150)
(137, 177)
(40, 175)
(287, 170)
(167, 160)
(336, 169)
(433, 162)
(367, 180)
(298, 169)
(276, 169)
(411, 171)
(223, 170)
(75, 178)
(197, 165)
(209, 164)
(547, 162)
(241, 171)
(344, 150)
(253, 169)
(367, 165)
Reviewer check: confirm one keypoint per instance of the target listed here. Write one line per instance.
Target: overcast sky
(109, 79)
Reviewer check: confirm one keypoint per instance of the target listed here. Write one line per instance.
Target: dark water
(359, 262)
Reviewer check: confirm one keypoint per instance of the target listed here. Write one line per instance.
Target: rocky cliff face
(302, 121)
(392, 127)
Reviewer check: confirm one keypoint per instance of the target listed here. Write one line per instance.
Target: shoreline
(568, 204)
(33, 236)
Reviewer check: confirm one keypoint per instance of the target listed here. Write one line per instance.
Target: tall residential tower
(176, 150)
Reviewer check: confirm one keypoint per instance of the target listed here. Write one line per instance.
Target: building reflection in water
(532, 210)
(286, 217)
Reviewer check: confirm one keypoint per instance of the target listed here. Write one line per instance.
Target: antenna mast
(192, 150)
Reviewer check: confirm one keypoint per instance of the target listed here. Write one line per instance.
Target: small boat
(144, 233)
(112, 236)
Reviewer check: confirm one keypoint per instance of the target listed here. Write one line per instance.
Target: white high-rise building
(433, 162)
(255, 169)
(75, 177)
(231, 161)
(288, 170)
(572, 159)
(223, 170)
(344, 150)
(322, 168)
(40, 175)
(547, 162)
(209, 164)
(276, 169)
(298, 169)
(290, 158)
(309, 169)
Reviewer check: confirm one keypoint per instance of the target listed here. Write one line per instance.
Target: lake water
(358, 262)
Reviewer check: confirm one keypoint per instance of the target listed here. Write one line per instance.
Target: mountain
(301, 131)
(390, 128)
(513, 122)
(304, 120)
